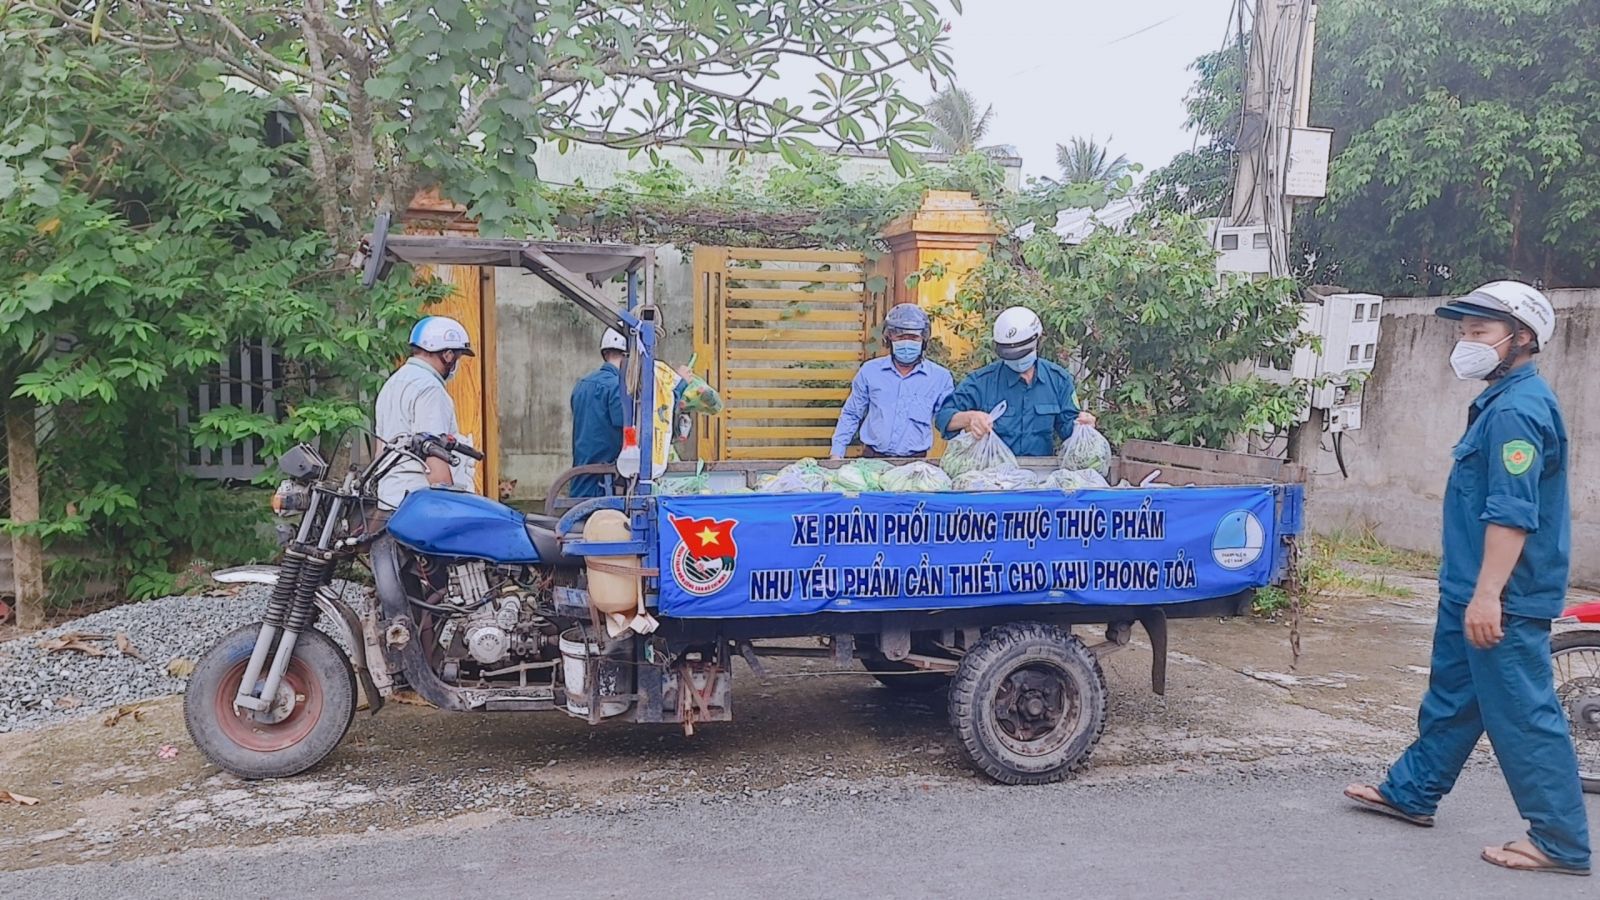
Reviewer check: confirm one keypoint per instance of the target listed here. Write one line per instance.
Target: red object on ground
(5, 611)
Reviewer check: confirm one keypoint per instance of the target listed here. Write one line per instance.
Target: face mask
(1023, 363)
(907, 352)
(1473, 360)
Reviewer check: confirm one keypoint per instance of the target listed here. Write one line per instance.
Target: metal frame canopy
(574, 270)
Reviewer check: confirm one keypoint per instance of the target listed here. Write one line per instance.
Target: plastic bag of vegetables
(700, 397)
(683, 485)
(801, 477)
(859, 475)
(917, 477)
(1071, 480)
(1006, 479)
(969, 453)
(1086, 448)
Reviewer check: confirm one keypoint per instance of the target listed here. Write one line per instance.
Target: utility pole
(1276, 99)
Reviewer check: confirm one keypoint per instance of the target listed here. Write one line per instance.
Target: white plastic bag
(802, 477)
(917, 477)
(968, 453)
(1086, 448)
(1005, 479)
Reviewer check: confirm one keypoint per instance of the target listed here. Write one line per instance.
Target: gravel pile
(40, 687)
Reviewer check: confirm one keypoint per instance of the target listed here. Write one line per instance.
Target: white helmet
(1507, 301)
(613, 340)
(1016, 332)
(438, 333)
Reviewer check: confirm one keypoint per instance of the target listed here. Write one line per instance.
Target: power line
(1133, 34)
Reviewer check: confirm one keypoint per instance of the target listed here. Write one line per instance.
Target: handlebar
(442, 446)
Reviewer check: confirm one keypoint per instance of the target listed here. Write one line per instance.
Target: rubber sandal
(1389, 809)
(1539, 864)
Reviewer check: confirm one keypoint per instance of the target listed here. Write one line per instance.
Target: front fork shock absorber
(290, 611)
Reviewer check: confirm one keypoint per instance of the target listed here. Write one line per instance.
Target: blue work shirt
(894, 412)
(596, 425)
(1035, 412)
(1510, 469)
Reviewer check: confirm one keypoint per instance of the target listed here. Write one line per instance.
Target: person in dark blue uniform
(1039, 395)
(1502, 580)
(597, 415)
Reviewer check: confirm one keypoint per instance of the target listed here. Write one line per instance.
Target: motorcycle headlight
(290, 498)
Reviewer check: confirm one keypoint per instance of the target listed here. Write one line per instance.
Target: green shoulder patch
(1517, 456)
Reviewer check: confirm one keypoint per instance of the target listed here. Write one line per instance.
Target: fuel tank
(442, 522)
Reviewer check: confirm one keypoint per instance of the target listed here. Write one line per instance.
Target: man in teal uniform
(1502, 580)
(1038, 394)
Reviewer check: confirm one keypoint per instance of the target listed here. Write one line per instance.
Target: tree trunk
(27, 562)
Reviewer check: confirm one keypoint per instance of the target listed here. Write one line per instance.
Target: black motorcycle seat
(544, 541)
(546, 522)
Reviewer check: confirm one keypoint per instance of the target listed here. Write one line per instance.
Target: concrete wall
(1416, 408)
(546, 344)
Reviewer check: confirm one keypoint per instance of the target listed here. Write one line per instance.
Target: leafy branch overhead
(396, 96)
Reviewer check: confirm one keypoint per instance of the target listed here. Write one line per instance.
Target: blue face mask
(1022, 363)
(906, 352)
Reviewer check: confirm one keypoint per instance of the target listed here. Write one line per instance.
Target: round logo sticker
(701, 576)
(1238, 541)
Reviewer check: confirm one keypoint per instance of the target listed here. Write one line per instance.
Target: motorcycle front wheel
(314, 707)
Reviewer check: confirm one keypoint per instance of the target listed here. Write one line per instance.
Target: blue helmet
(907, 317)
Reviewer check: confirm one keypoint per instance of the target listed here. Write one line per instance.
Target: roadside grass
(1322, 575)
(1361, 545)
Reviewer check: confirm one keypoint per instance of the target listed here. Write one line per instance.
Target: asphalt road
(1218, 835)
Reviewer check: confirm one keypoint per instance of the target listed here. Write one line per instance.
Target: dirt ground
(117, 792)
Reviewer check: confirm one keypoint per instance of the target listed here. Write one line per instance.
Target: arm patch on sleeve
(1518, 456)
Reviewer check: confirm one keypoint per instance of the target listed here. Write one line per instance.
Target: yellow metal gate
(779, 334)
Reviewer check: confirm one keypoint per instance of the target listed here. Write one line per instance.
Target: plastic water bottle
(628, 459)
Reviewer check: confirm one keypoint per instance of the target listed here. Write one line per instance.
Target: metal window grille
(249, 379)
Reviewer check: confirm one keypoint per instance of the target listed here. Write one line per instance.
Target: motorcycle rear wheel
(317, 704)
(1576, 663)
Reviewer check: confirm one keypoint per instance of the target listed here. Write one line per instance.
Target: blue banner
(726, 556)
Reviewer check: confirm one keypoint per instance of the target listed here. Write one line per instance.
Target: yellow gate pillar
(471, 302)
(950, 231)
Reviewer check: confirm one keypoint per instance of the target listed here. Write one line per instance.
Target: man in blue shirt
(1038, 394)
(893, 398)
(1502, 579)
(597, 415)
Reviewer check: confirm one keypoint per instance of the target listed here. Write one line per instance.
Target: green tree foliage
(1199, 182)
(1140, 315)
(1085, 161)
(1467, 142)
(807, 204)
(176, 177)
(958, 126)
(147, 224)
(395, 96)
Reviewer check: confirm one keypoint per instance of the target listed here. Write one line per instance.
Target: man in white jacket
(414, 401)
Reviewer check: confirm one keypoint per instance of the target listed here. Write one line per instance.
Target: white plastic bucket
(616, 672)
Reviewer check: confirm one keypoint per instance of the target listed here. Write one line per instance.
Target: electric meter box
(1347, 325)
